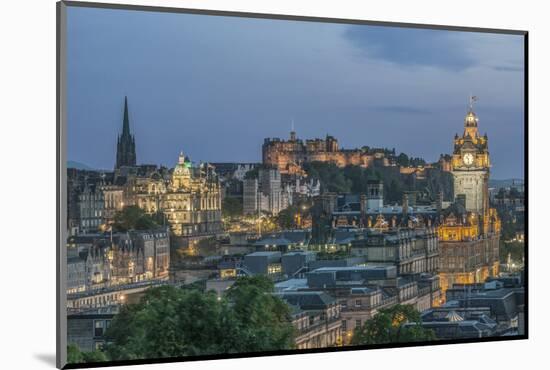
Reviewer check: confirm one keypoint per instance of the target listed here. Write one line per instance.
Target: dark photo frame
(445, 223)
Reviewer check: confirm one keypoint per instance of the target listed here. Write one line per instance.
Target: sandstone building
(192, 201)
(289, 155)
(469, 231)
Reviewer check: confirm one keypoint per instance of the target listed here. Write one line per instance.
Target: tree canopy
(232, 207)
(405, 161)
(74, 355)
(354, 179)
(287, 218)
(516, 250)
(263, 320)
(133, 218)
(340, 180)
(387, 326)
(170, 322)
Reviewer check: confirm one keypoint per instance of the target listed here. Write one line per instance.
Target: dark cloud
(411, 47)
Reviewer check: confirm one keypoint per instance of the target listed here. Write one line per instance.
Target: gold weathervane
(473, 98)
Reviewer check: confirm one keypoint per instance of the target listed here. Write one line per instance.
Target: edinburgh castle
(289, 155)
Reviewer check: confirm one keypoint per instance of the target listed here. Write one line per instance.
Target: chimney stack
(405, 208)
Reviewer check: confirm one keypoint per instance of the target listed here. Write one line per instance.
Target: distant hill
(78, 165)
(505, 183)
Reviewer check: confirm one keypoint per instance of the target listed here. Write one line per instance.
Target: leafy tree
(515, 249)
(358, 178)
(261, 283)
(331, 177)
(232, 207)
(133, 218)
(74, 355)
(417, 161)
(394, 192)
(286, 218)
(508, 229)
(403, 160)
(388, 326)
(354, 179)
(170, 321)
(263, 319)
(94, 356)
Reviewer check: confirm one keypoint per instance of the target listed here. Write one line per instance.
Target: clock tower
(470, 165)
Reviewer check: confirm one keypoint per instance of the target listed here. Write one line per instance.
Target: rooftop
(351, 268)
(266, 254)
(291, 284)
(308, 299)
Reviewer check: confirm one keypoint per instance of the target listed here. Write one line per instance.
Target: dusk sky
(215, 87)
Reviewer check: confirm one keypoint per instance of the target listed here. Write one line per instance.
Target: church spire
(126, 146)
(126, 120)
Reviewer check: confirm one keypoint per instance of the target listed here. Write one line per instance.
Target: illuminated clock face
(468, 159)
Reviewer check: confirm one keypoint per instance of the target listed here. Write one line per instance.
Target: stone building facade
(316, 318)
(469, 230)
(265, 193)
(362, 291)
(289, 155)
(192, 202)
(113, 197)
(101, 261)
(87, 328)
(412, 251)
(251, 197)
(91, 205)
(470, 166)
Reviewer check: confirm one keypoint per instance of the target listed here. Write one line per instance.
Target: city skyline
(237, 186)
(317, 80)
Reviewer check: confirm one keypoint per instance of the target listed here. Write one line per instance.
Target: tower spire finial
(472, 99)
(292, 132)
